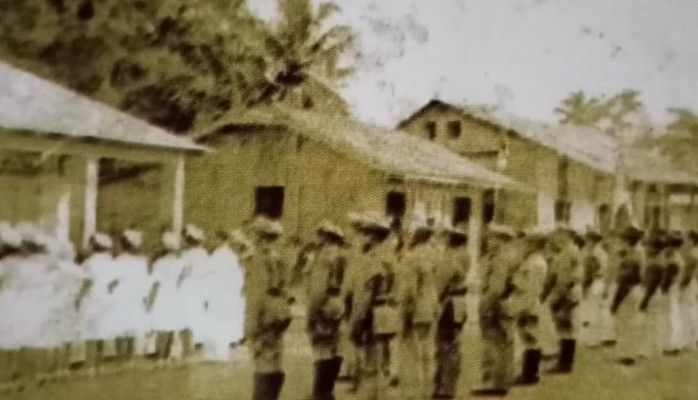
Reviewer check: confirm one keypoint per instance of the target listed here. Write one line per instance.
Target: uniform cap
(501, 230)
(9, 236)
(102, 240)
(170, 240)
(133, 237)
(267, 226)
(330, 228)
(236, 236)
(535, 232)
(27, 230)
(632, 233)
(593, 234)
(420, 222)
(675, 239)
(375, 220)
(194, 232)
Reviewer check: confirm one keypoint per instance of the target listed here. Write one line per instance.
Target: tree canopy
(175, 62)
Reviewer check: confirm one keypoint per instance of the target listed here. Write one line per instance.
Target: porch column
(171, 194)
(90, 204)
(178, 200)
(475, 231)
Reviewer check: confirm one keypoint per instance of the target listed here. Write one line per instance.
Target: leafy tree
(685, 122)
(580, 110)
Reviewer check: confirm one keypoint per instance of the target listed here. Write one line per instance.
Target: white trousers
(591, 311)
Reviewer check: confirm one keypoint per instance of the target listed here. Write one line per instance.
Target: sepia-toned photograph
(348, 199)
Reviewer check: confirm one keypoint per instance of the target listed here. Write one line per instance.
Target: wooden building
(571, 170)
(302, 167)
(58, 148)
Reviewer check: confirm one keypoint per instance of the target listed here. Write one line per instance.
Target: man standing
(528, 281)
(689, 293)
(496, 321)
(595, 260)
(671, 288)
(450, 279)
(326, 308)
(195, 295)
(565, 295)
(268, 313)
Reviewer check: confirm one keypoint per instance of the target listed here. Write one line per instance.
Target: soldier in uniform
(496, 320)
(268, 314)
(450, 279)
(689, 292)
(595, 260)
(326, 308)
(528, 282)
(197, 269)
(374, 316)
(628, 296)
(671, 289)
(565, 294)
(419, 308)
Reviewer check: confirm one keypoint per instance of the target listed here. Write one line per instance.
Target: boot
(277, 382)
(263, 386)
(531, 364)
(336, 369)
(566, 358)
(489, 392)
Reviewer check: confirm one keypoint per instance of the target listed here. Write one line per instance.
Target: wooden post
(475, 230)
(90, 204)
(178, 196)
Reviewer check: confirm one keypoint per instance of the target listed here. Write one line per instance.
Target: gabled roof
(646, 164)
(382, 149)
(30, 103)
(587, 146)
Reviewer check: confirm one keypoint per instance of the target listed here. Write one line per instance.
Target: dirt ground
(595, 377)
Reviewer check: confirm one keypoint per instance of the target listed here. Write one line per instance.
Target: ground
(595, 377)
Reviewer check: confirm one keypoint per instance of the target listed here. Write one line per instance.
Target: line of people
(61, 313)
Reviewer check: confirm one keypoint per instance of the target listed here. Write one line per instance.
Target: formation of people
(64, 315)
(386, 302)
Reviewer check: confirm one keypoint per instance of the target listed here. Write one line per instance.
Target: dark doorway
(461, 210)
(396, 204)
(269, 201)
(488, 206)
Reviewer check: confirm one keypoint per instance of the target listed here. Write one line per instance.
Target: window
(454, 129)
(461, 210)
(488, 206)
(604, 217)
(563, 167)
(396, 204)
(563, 210)
(430, 128)
(269, 201)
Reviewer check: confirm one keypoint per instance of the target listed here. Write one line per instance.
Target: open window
(396, 204)
(454, 129)
(461, 210)
(563, 210)
(488, 206)
(430, 129)
(269, 201)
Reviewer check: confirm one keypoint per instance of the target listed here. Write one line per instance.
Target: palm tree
(685, 122)
(302, 46)
(577, 109)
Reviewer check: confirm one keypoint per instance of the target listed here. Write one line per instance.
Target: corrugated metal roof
(648, 165)
(30, 103)
(386, 150)
(585, 145)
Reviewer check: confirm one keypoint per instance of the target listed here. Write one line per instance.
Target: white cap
(193, 232)
(102, 240)
(500, 230)
(9, 236)
(329, 227)
(265, 225)
(170, 240)
(133, 237)
(27, 230)
(374, 219)
(420, 221)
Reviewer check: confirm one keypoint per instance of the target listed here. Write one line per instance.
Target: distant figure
(195, 298)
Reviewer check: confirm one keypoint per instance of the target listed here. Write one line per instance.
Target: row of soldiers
(61, 312)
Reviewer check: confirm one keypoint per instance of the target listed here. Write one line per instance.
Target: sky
(523, 55)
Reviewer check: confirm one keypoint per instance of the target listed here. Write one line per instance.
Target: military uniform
(325, 314)
(628, 298)
(268, 314)
(595, 261)
(689, 297)
(564, 297)
(497, 321)
(450, 279)
(671, 291)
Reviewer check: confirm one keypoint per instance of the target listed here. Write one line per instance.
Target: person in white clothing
(95, 300)
(11, 258)
(165, 299)
(195, 294)
(595, 261)
(130, 294)
(226, 307)
(671, 289)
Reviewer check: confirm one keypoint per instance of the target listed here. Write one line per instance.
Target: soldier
(565, 294)
(96, 300)
(374, 317)
(671, 289)
(450, 280)
(496, 321)
(595, 261)
(326, 308)
(165, 299)
(607, 329)
(528, 282)
(629, 295)
(130, 313)
(418, 299)
(10, 259)
(268, 313)
(689, 292)
(195, 296)
(651, 306)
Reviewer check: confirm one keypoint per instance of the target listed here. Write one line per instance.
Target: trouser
(373, 384)
(548, 335)
(566, 321)
(416, 364)
(94, 350)
(688, 310)
(326, 369)
(448, 361)
(591, 329)
(632, 325)
(267, 357)
(672, 320)
(125, 348)
(498, 353)
(607, 320)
